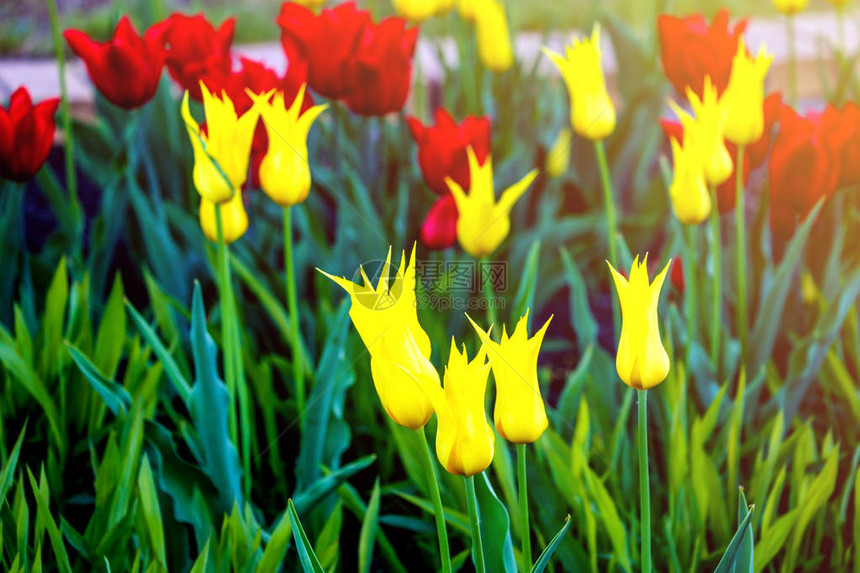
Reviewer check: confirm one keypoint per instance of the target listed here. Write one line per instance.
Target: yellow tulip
(494, 39)
(558, 156)
(591, 111)
(386, 318)
(642, 362)
(221, 154)
(464, 438)
(704, 133)
(744, 96)
(444, 6)
(468, 9)
(790, 7)
(416, 11)
(519, 413)
(234, 219)
(839, 3)
(483, 224)
(285, 174)
(689, 193)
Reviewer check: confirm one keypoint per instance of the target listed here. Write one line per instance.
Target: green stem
(690, 298)
(792, 61)
(611, 222)
(489, 292)
(475, 520)
(289, 268)
(740, 237)
(234, 371)
(433, 483)
(716, 301)
(68, 136)
(644, 486)
(523, 490)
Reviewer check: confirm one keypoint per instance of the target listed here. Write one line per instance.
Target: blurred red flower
(676, 274)
(805, 164)
(325, 41)
(26, 135)
(197, 51)
(850, 172)
(126, 69)
(691, 50)
(441, 154)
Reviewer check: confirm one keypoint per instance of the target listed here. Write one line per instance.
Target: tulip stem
(233, 368)
(489, 292)
(792, 61)
(523, 490)
(433, 484)
(690, 270)
(68, 137)
(475, 520)
(716, 302)
(740, 220)
(611, 223)
(644, 486)
(289, 268)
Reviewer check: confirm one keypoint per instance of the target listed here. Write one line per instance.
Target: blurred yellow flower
(312, 4)
(416, 11)
(642, 362)
(703, 131)
(520, 414)
(591, 111)
(464, 439)
(558, 156)
(494, 37)
(790, 7)
(688, 191)
(386, 318)
(483, 224)
(285, 174)
(444, 6)
(234, 219)
(468, 9)
(221, 154)
(744, 96)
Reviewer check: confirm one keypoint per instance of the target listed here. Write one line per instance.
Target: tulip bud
(558, 156)
(642, 362)
(791, 7)
(690, 197)
(494, 38)
(27, 134)
(234, 219)
(416, 11)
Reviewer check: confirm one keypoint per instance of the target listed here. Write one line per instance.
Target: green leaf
(745, 556)
(112, 332)
(148, 497)
(327, 484)
(608, 515)
(44, 517)
(581, 317)
(369, 526)
(728, 561)
(525, 296)
(495, 528)
(116, 398)
(307, 557)
(544, 558)
(328, 542)
(209, 403)
(202, 560)
(7, 475)
(276, 548)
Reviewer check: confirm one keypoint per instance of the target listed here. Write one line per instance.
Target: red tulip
(325, 41)
(380, 71)
(691, 50)
(850, 173)
(676, 275)
(197, 51)
(439, 229)
(126, 69)
(26, 135)
(805, 164)
(442, 148)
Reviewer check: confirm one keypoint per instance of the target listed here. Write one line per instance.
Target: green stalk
(644, 487)
(475, 520)
(792, 61)
(68, 136)
(611, 222)
(489, 294)
(289, 268)
(740, 232)
(690, 298)
(716, 301)
(234, 371)
(523, 490)
(433, 483)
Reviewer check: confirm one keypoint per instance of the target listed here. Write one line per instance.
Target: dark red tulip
(442, 148)
(676, 274)
(379, 72)
(26, 135)
(439, 229)
(805, 164)
(127, 69)
(690, 49)
(326, 42)
(196, 51)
